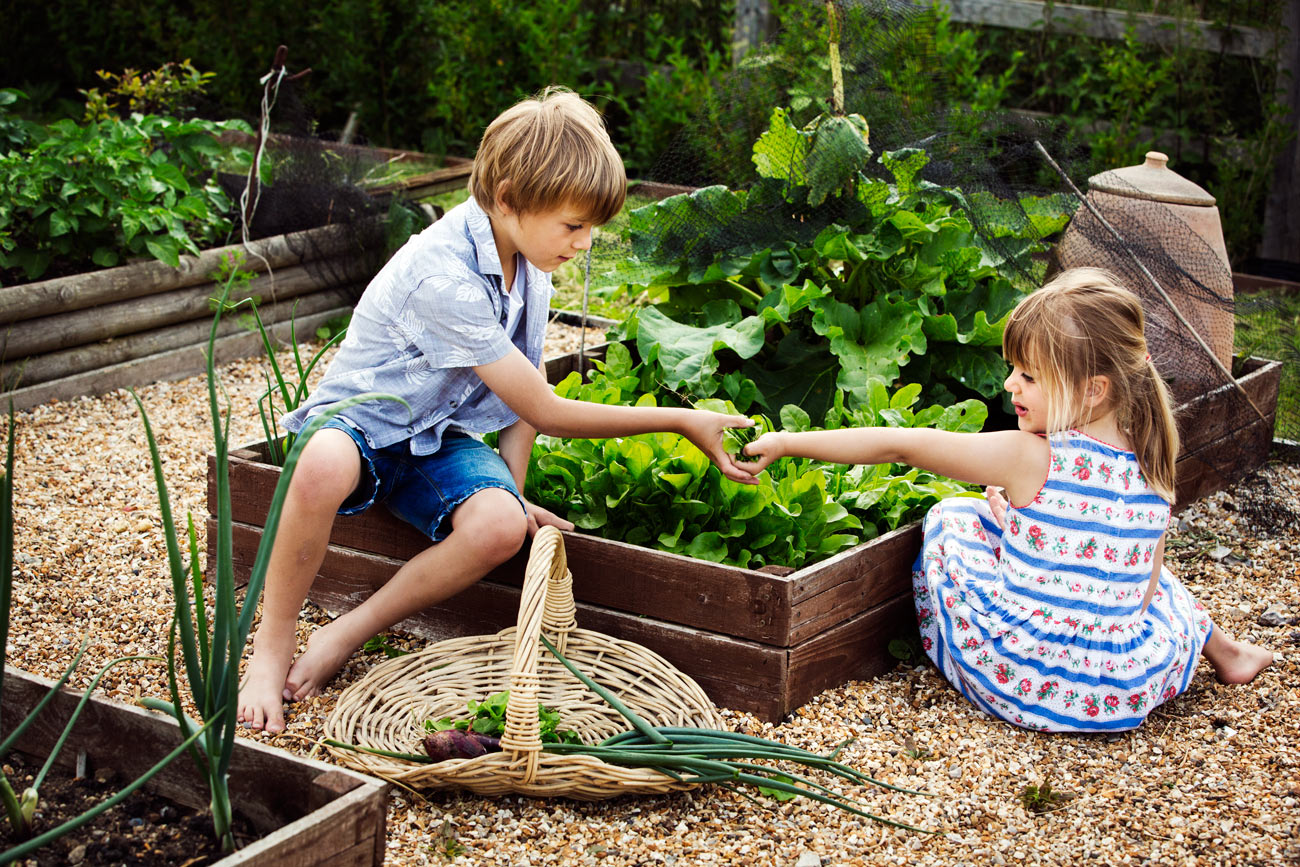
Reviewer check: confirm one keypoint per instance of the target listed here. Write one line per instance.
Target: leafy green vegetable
(774, 286)
(488, 717)
(658, 490)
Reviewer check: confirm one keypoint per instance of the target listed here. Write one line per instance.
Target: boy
(454, 325)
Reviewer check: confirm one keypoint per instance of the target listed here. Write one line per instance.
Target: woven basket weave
(387, 708)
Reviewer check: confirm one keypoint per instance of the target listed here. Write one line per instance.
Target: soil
(146, 829)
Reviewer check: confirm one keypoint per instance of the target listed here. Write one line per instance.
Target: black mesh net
(831, 163)
(303, 182)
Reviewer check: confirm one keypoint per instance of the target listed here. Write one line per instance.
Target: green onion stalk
(20, 809)
(699, 755)
(210, 651)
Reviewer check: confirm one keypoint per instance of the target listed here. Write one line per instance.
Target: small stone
(77, 855)
(1218, 552)
(809, 859)
(1274, 616)
(954, 773)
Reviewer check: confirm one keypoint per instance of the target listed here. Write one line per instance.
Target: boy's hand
(997, 504)
(763, 451)
(705, 428)
(539, 518)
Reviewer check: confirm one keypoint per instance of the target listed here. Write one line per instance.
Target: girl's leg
(327, 472)
(1235, 661)
(488, 528)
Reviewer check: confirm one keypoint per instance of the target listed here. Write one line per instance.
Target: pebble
(809, 859)
(1275, 616)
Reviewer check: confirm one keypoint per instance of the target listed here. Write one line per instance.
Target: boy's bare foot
(328, 649)
(1235, 661)
(260, 705)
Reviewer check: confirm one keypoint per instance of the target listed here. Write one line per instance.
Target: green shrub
(102, 192)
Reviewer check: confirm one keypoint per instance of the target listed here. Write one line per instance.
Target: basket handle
(546, 601)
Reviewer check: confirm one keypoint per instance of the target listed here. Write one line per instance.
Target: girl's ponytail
(1148, 417)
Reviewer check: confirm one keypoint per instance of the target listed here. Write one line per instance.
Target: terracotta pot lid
(1153, 180)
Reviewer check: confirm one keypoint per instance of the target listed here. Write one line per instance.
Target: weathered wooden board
(310, 812)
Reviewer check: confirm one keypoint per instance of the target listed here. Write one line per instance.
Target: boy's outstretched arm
(525, 390)
(515, 445)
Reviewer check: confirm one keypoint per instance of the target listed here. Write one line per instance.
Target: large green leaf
(688, 354)
(871, 342)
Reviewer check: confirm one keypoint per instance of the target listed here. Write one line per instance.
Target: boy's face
(548, 239)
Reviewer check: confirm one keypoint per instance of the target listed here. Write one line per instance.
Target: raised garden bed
(755, 640)
(93, 332)
(308, 812)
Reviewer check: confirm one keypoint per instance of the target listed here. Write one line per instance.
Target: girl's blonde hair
(547, 152)
(1082, 324)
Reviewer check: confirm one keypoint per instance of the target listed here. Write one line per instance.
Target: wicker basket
(387, 708)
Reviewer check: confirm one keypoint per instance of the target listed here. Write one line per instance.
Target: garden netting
(303, 182)
(831, 153)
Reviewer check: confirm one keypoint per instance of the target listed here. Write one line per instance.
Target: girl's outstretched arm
(1013, 459)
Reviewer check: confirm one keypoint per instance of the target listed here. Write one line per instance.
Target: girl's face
(1028, 399)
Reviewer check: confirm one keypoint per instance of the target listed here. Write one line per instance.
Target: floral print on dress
(1044, 626)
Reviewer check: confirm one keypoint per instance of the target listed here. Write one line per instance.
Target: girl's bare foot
(328, 649)
(260, 705)
(1235, 661)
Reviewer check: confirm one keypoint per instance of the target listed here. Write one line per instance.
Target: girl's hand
(704, 428)
(763, 452)
(539, 517)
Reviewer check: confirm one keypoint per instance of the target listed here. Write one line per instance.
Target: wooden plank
(736, 673)
(268, 786)
(1222, 410)
(1245, 283)
(93, 356)
(424, 185)
(856, 649)
(871, 573)
(1219, 463)
(1281, 240)
(80, 327)
(347, 832)
(165, 366)
(1102, 23)
(93, 288)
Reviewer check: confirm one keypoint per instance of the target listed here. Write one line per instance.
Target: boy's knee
(328, 470)
(494, 523)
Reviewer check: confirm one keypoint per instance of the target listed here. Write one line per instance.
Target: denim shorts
(423, 490)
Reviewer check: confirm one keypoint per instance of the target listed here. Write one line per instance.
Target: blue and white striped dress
(1042, 624)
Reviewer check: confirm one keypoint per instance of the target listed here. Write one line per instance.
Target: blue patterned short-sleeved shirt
(433, 313)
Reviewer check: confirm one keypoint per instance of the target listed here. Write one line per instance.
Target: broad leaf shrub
(822, 278)
(825, 295)
(99, 193)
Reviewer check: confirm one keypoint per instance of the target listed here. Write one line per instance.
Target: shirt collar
(485, 245)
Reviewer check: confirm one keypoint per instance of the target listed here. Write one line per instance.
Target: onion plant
(210, 649)
(699, 755)
(20, 810)
(281, 395)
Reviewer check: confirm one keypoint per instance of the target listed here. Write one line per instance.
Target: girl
(1066, 619)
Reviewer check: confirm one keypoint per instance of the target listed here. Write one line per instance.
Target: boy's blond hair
(548, 152)
(1082, 324)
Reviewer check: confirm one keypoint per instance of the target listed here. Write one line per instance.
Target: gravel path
(1211, 778)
